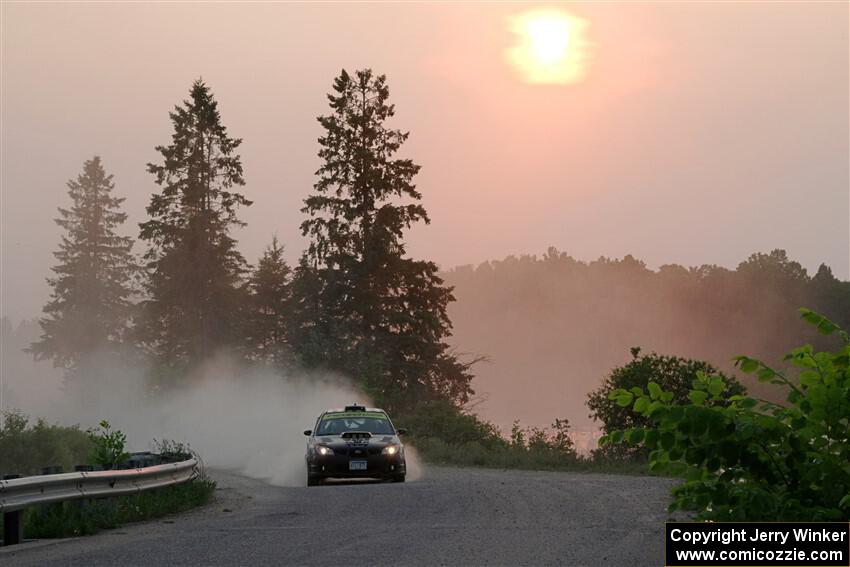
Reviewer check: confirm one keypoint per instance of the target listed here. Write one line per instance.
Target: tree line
(355, 303)
(554, 326)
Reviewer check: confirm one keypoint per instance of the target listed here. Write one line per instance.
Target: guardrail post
(13, 527)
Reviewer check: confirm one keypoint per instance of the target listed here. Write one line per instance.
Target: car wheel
(313, 480)
(398, 478)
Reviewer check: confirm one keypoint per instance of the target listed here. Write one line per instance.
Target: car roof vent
(355, 407)
(356, 435)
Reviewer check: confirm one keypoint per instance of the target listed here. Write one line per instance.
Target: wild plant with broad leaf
(745, 458)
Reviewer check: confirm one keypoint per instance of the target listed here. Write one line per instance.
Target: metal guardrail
(19, 493)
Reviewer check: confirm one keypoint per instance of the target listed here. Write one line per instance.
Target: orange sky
(701, 133)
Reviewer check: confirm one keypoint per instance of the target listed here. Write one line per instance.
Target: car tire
(313, 480)
(398, 478)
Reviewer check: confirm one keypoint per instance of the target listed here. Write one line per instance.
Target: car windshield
(376, 423)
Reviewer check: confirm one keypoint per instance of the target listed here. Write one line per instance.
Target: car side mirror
(308, 432)
(401, 431)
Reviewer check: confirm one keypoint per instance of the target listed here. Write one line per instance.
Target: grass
(86, 517)
(474, 454)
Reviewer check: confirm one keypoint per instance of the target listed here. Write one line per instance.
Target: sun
(551, 46)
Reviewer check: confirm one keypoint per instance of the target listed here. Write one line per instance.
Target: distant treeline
(554, 327)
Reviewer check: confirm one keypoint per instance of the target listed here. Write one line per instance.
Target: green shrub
(749, 459)
(26, 449)
(672, 373)
(108, 446)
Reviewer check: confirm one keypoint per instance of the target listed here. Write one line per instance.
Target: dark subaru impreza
(354, 442)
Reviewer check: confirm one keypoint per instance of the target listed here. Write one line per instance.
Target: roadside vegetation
(442, 434)
(746, 458)
(79, 518)
(510, 456)
(26, 449)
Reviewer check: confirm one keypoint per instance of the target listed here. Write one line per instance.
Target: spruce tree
(89, 307)
(267, 320)
(363, 306)
(195, 273)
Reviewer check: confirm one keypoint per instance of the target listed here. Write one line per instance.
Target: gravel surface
(451, 516)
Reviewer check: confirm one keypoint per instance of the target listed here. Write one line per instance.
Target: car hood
(375, 441)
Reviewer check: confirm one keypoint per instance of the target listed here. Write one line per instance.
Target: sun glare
(551, 46)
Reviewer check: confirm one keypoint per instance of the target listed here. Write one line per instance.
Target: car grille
(357, 451)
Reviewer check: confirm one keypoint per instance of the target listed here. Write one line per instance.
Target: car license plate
(357, 465)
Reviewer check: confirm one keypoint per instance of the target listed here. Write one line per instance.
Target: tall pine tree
(363, 307)
(267, 320)
(195, 273)
(89, 308)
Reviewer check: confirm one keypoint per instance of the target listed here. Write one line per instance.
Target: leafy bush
(672, 373)
(109, 445)
(555, 440)
(749, 459)
(27, 449)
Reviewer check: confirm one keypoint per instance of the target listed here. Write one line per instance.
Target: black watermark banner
(757, 544)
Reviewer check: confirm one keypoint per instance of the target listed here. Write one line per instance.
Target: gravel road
(451, 516)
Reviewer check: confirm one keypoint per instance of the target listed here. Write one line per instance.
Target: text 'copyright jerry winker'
(757, 544)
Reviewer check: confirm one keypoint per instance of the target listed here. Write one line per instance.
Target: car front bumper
(337, 466)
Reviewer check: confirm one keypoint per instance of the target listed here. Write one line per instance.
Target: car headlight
(324, 451)
(391, 450)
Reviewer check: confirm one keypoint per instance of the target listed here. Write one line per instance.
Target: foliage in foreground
(79, 518)
(26, 448)
(751, 459)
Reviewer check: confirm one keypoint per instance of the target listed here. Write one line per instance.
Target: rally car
(354, 442)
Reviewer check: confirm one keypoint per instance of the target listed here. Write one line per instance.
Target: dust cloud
(241, 419)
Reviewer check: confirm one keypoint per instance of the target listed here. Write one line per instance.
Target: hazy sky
(700, 133)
